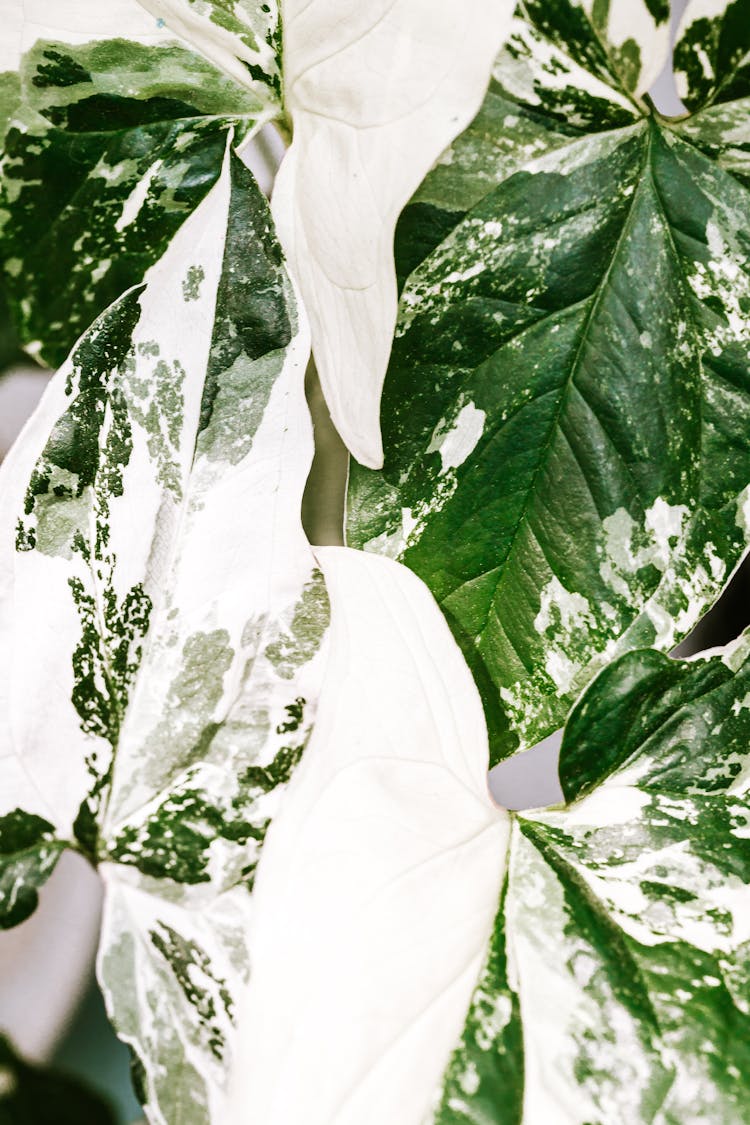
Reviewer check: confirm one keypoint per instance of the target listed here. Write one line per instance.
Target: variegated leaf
(616, 988)
(117, 134)
(378, 884)
(567, 462)
(160, 622)
(613, 986)
(243, 37)
(553, 82)
(29, 852)
(712, 57)
(712, 53)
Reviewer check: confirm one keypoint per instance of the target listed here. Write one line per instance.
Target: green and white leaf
(712, 57)
(613, 986)
(116, 134)
(379, 881)
(28, 855)
(160, 620)
(567, 467)
(712, 53)
(242, 37)
(371, 95)
(553, 81)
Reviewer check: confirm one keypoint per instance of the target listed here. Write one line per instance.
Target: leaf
(712, 53)
(369, 936)
(371, 95)
(566, 468)
(625, 915)
(614, 983)
(28, 855)
(45, 1097)
(112, 145)
(242, 37)
(160, 622)
(374, 93)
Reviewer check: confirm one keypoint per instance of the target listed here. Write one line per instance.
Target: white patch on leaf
(460, 439)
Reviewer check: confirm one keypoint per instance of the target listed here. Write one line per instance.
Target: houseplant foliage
(276, 755)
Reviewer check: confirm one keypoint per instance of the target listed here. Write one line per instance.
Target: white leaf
(369, 937)
(375, 93)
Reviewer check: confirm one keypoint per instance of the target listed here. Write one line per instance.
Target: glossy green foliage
(566, 458)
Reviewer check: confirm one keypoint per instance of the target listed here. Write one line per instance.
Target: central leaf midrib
(554, 427)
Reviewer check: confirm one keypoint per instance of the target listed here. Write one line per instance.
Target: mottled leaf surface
(28, 854)
(566, 466)
(616, 986)
(712, 53)
(32, 1094)
(110, 144)
(562, 73)
(160, 621)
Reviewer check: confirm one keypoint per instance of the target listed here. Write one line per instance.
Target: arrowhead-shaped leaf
(567, 462)
(616, 986)
(115, 133)
(614, 983)
(160, 621)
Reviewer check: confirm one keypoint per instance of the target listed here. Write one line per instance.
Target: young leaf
(116, 134)
(379, 880)
(567, 468)
(374, 92)
(161, 616)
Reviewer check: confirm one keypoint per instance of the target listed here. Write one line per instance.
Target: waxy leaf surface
(160, 621)
(114, 133)
(567, 462)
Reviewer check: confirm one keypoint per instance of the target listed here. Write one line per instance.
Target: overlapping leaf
(614, 984)
(379, 881)
(567, 458)
(372, 94)
(111, 142)
(160, 620)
